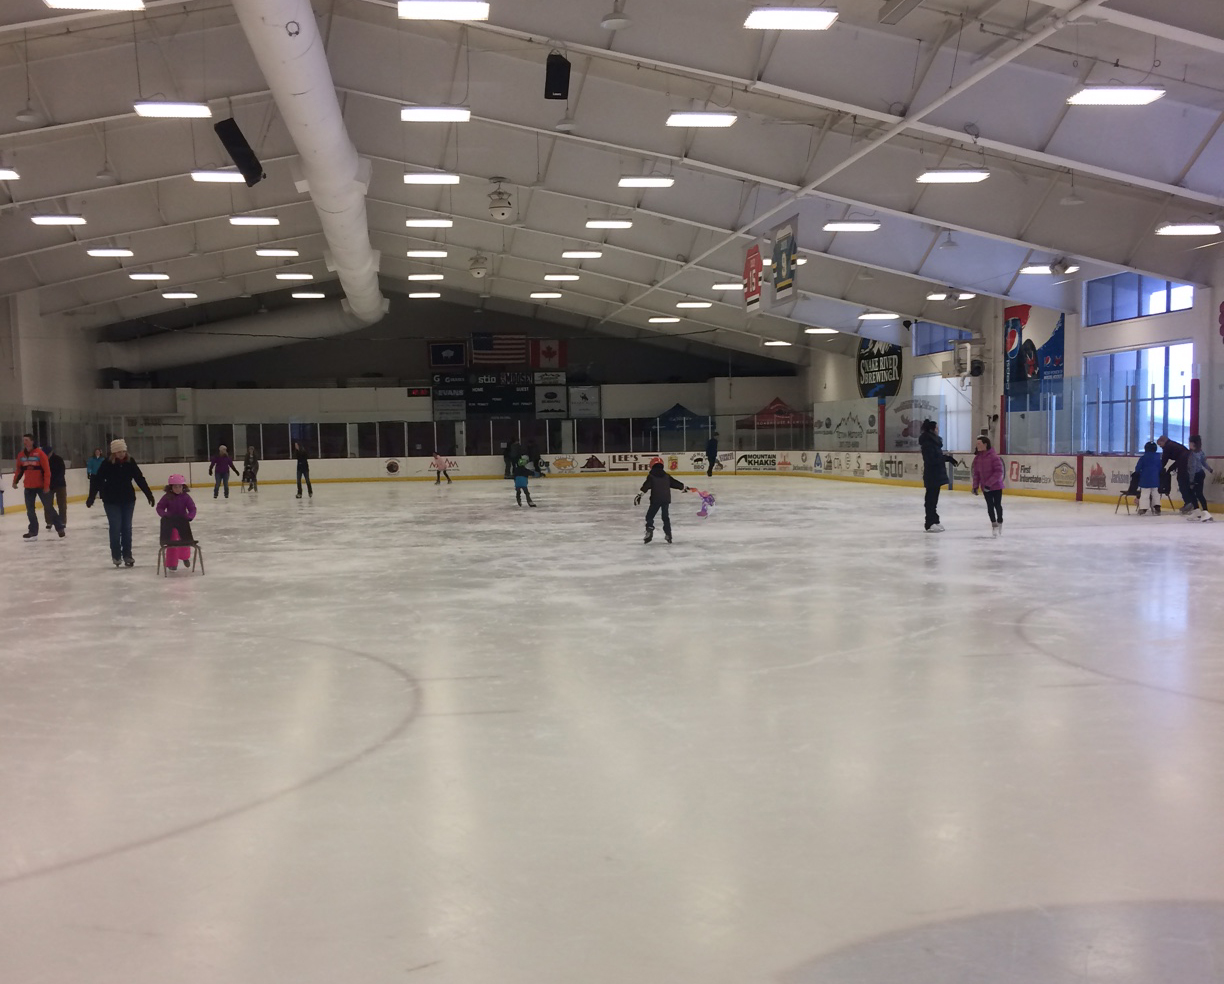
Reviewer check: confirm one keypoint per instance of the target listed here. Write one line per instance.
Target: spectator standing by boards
(711, 455)
(303, 469)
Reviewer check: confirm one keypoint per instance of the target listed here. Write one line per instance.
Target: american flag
(499, 350)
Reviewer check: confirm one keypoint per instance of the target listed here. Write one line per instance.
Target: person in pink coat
(177, 509)
(988, 476)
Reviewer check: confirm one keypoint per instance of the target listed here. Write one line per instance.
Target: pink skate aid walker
(707, 502)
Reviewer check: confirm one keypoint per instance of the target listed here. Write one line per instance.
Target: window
(1135, 396)
(930, 339)
(1128, 295)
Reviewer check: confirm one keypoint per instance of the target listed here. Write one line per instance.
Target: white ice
(407, 733)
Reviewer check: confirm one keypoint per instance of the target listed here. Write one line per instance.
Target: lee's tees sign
(879, 368)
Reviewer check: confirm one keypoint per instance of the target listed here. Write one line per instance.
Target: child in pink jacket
(177, 509)
(988, 476)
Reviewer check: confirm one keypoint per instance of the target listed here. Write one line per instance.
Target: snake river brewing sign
(879, 368)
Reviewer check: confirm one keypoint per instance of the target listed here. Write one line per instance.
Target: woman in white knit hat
(113, 482)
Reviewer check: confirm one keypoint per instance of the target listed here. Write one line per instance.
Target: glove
(975, 491)
(637, 499)
(150, 498)
(89, 503)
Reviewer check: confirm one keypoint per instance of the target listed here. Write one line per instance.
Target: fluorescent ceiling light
(646, 181)
(791, 19)
(422, 295)
(276, 252)
(736, 286)
(609, 224)
(172, 110)
(435, 114)
(965, 296)
(430, 178)
(581, 254)
(95, 4)
(937, 297)
(426, 276)
(428, 254)
(109, 251)
(1188, 229)
(218, 177)
(1116, 95)
(800, 261)
(954, 175)
(148, 276)
(777, 343)
(8, 174)
(304, 295)
(560, 276)
(180, 295)
(879, 316)
(702, 119)
(57, 219)
(429, 223)
(254, 220)
(545, 295)
(452, 10)
(295, 276)
(852, 225)
(663, 321)
(820, 331)
(694, 304)
(1043, 269)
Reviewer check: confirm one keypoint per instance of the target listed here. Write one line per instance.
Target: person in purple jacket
(222, 464)
(988, 476)
(177, 509)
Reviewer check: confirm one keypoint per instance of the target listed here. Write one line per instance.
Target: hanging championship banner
(784, 249)
(754, 278)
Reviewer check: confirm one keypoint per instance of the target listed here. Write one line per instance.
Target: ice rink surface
(402, 733)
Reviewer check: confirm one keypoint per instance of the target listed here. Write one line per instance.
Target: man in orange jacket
(33, 464)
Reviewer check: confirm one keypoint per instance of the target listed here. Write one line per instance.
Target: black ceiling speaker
(556, 76)
(240, 151)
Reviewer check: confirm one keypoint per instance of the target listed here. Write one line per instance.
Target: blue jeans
(31, 498)
(119, 518)
(222, 479)
(655, 509)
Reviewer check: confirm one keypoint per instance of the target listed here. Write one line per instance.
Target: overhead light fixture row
(218, 177)
(545, 295)
(1046, 269)
(852, 225)
(702, 119)
(295, 276)
(820, 331)
(581, 254)
(95, 4)
(55, 219)
(8, 174)
(1188, 229)
(879, 316)
(109, 251)
(429, 223)
(430, 178)
(663, 321)
(791, 19)
(427, 254)
(966, 296)
(148, 276)
(180, 295)
(609, 224)
(954, 175)
(435, 114)
(446, 10)
(422, 295)
(277, 252)
(728, 286)
(163, 109)
(1116, 95)
(304, 295)
(254, 220)
(426, 276)
(561, 276)
(777, 343)
(646, 181)
(694, 304)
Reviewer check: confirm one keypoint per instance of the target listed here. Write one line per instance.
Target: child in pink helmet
(177, 510)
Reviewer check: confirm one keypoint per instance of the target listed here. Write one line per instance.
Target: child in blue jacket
(1148, 467)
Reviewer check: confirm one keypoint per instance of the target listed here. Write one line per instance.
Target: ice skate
(648, 537)
(30, 536)
(1000, 529)
(1141, 512)
(667, 537)
(994, 529)
(937, 528)
(1155, 510)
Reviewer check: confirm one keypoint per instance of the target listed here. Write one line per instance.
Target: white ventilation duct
(285, 39)
(235, 337)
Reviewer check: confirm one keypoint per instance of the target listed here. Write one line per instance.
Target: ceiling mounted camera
(500, 205)
(478, 267)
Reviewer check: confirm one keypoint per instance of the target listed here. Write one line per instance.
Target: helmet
(656, 460)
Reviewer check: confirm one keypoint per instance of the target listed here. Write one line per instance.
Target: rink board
(1089, 478)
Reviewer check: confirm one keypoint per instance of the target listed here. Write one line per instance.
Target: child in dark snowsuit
(1148, 467)
(521, 474)
(659, 484)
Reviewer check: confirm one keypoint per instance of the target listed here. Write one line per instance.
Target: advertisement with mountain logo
(879, 368)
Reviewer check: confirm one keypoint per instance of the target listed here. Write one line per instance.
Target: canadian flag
(547, 353)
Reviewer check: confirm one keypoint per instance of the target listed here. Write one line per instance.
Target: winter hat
(118, 445)
(177, 480)
(223, 448)
(1150, 446)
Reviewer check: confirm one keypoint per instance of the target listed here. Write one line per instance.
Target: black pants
(442, 474)
(171, 523)
(519, 492)
(1184, 488)
(1196, 490)
(303, 472)
(655, 508)
(994, 504)
(932, 505)
(712, 462)
(32, 496)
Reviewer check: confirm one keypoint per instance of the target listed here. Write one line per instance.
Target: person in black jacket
(58, 486)
(303, 469)
(711, 455)
(934, 471)
(1176, 457)
(113, 483)
(659, 484)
